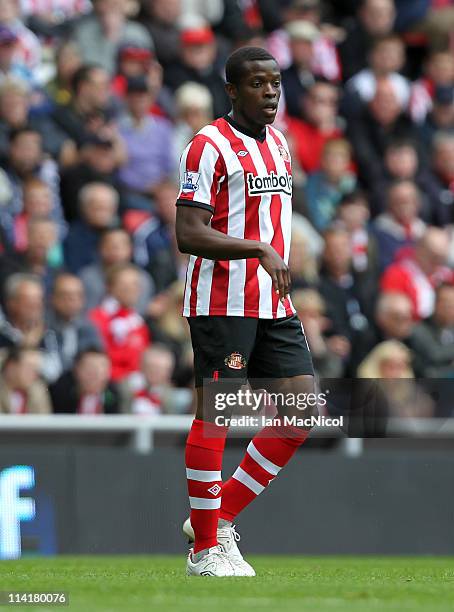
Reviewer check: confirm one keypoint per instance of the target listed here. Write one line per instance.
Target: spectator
(194, 110)
(90, 110)
(298, 77)
(23, 305)
(115, 247)
(15, 106)
(311, 310)
(324, 189)
(391, 361)
(154, 237)
(100, 34)
(392, 320)
(24, 325)
(318, 125)
(21, 390)
(155, 393)
(168, 327)
(161, 18)
(73, 333)
(441, 117)
(123, 330)
(9, 67)
(37, 203)
(98, 205)
(374, 18)
(26, 159)
(53, 11)
(302, 263)
(435, 20)
(443, 166)
(347, 297)
(402, 163)
(135, 62)
(400, 225)
(27, 50)
(68, 60)
(214, 12)
(353, 214)
(381, 121)
(438, 72)
(42, 256)
(149, 163)
(197, 63)
(325, 62)
(87, 388)
(386, 60)
(98, 163)
(434, 337)
(302, 227)
(417, 273)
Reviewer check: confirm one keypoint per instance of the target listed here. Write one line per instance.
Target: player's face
(257, 95)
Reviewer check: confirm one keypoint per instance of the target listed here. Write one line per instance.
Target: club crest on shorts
(235, 361)
(284, 153)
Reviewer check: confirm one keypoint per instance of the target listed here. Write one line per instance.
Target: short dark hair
(353, 197)
(403, 181)
(386, 38)
(89, 350)
(83, 74)
(401, 142)
(114, 271)
(114, 230)
(62, 275)
(25, 129)
(321, 80)
(234, 68)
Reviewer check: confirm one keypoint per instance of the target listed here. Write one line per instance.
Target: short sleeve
(202, 171)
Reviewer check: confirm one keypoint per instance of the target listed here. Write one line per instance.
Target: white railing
(142, 429)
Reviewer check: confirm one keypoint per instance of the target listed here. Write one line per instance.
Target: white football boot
(227, 540)
(214, 563)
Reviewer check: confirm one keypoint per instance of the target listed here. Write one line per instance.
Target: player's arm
(197, 237)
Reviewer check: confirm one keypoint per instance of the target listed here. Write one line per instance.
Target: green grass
(283, 583)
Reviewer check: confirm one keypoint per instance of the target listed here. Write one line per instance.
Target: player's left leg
(283, 352)
(268, 452)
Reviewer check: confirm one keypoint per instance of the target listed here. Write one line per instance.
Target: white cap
(301, 29)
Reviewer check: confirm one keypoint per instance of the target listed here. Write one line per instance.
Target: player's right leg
(203, 457)
(221, 350)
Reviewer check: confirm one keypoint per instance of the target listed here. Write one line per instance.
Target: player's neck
(243, 125)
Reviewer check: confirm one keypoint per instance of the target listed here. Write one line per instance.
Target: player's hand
(278, 270)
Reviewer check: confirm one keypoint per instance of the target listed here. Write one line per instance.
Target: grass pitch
(283, 584)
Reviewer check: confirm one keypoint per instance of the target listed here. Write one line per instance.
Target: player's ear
(231, 90)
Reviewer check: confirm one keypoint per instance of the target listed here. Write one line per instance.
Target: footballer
(234, 219)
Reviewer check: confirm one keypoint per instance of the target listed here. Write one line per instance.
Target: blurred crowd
(98, 100)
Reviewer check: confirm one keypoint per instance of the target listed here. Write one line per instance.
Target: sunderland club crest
(235, 361)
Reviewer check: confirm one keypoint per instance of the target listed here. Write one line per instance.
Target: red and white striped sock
(204, 450)
(266, 455)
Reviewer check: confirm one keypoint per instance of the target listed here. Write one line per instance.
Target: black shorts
(246, 347)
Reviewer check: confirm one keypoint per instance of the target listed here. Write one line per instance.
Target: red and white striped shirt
(246, 182)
